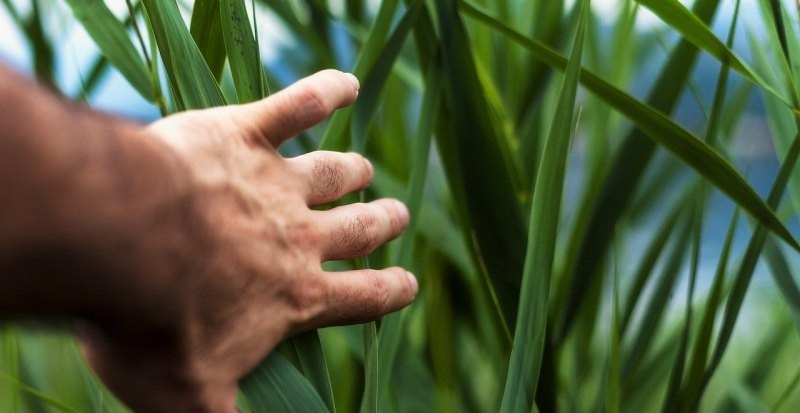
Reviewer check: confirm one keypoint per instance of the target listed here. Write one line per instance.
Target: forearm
(83, 197)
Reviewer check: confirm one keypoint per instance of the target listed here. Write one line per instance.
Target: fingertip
(353, 81)
(402, 212)
(370, 169)
(412, 284)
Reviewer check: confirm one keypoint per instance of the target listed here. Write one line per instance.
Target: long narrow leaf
(335, 137)
(242, 51)
(392, 325)
(748, 265)
(660, 129)
(111, 36)
(206, 30)
(531, 328)
(694, 30)
(190, 78)
(276, 386)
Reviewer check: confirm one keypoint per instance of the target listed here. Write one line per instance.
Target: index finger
(300, 106)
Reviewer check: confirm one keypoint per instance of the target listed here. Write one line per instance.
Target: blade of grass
(672, 399)
(747, 266)
(697, 32)
(699, 355)
(190, 78)
(790, 388)
(277, 386)
(242, 51)
(531, 328)
(782, 274)
(392, 326)
(111, 36)
(311, 357)
(475, 168)
(12, 355)
(336, 137)
(613, 391)
(648, 261)
(206, 30)
(369, 400)
(44, 56)
(370, 93)
(636, 153)
(38, 395)
(656, 305)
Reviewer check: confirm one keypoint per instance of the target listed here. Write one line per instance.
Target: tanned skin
(185, 250)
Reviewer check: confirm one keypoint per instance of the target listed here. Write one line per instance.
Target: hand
(241, 271)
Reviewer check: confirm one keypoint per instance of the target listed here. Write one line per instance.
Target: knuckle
(310, 99)
(361, 234)
(304, 233)
(379, 292)
(307, 297)
(328, 176)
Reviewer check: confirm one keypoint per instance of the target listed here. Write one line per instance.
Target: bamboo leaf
(697, 32)
(277, 386)
(782, 274)
(190, 78)
(335, 137)
(308, 349)
(392, 326)
(369, 400)
(206, 30)
(529, 337)
(242, 50)
(476, 170)
(748, 265)
(635, 154)
(369, 96)
(699, 354)
(111, 36)
(654, 311)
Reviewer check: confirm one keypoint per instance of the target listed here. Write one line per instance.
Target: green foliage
(585, 301)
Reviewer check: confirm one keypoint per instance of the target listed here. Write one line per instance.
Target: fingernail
(354, 80)
(402, 212)
(370, 168)
(412, 282)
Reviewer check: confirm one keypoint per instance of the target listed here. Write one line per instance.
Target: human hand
(241, 269)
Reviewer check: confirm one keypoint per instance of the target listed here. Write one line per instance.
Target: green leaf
(697, 32)
(277, 386)
(656, 305)
(369, 400)
(311, 356)
(699, 354)
(392, 326)
(242, 50)
(782, 274)
(370, 93)
(648, 260)
(206, 30)
(335, 137)
(531, 328)
(748, 265)
(477, 172)
(38, 395)
(190, 78)
(111, 36)
(633, 158)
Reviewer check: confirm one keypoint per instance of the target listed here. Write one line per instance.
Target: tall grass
(580, 245)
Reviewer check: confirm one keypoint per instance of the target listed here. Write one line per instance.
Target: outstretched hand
(242, 269)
